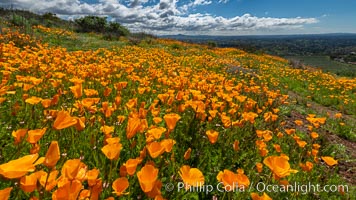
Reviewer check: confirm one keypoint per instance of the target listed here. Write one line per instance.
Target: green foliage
(212, 44)
(110, 31)
(91, 24)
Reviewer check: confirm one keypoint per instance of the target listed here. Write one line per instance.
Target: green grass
(327, 65)
(82, 41)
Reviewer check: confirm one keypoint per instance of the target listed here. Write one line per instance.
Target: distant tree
(91, 24)
(50, 16)
(212, 44)
(110, 31)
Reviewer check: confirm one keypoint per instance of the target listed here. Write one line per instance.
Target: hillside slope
(148, 120)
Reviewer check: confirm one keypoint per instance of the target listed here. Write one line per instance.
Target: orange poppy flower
(96, 190)
(19, 167)
(290, 131)
(259, 167)
(279, 165)
(2, 99)
(154, 133)
(120, 185)
(249, 116)
(329, 160)
(298, 122)
(133, 126)
(52, 155)
(35, 135)
(80, 125)
(235, 146)
(19, 135)
(121, 85)
(301, 143)
(90, 92)
(77, 90)
(156, 191)
(123, 171)
(338, 115)
(242, 179)
(266, 134)
(5, 193)
(167, 144)
(92, 176)
(70, 190)
(279, 134)
(163, 97)
(231, 179)
(46, 103)
(49, 181)
(143, 126)
(192, 177)
(64, 120)
(84, 194)
(107, 129)
(33, 100)
(88, 102)
(263, 151)
(314, 135)
(121, 119)
(157, 120)
(277, 147)
(155, 149)
(112, 149)
(269, 116)
(213, 113)
(314, 152)
(226, 120)
(131, 166)
(187, 154)
(29, 183)
(73, 169)
(142, 154)
(147, 177)
(308, 166)
(171, 120)
(107, 91)
(264, 196)
(55, 99)
(35, 148)
(212, 135)
(131, 103)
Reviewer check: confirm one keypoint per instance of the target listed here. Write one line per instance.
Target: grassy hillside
(82, 117)
(327, 65)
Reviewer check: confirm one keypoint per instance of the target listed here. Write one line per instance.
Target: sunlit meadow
(132, 121)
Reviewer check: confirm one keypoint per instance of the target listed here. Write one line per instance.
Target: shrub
(91, 24)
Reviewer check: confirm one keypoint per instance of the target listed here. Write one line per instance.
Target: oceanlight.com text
(302, 188)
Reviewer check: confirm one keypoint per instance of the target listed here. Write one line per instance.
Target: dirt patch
(347, 167)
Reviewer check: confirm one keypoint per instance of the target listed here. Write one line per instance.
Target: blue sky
(209, 17)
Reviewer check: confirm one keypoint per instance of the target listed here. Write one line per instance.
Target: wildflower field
(168, 120)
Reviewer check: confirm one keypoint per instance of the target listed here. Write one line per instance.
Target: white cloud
(164, 16)
(201, 2)
(223, 1)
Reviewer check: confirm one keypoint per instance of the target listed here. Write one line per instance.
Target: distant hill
(24, 17)
(281, 45)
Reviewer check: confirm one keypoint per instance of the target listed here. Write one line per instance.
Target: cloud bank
(162, 16)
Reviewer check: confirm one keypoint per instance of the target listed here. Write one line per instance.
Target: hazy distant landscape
(331, 52)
